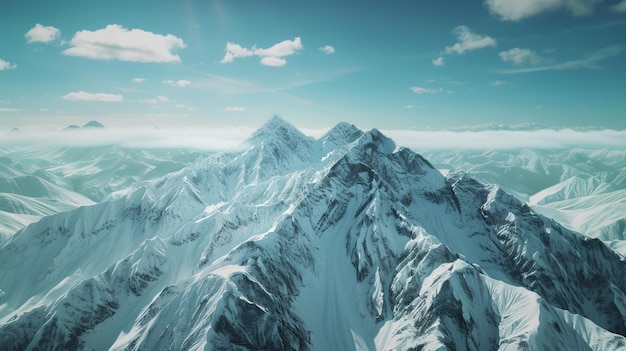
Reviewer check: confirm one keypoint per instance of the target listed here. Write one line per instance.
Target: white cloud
(4, 65)
(162, 99)
(589, 62)
(42, 34)
(327, 49)
(515, 10)
(518, 56)
(273, 61)
(421, 90)
(235, 109)
(138, 80)
(469, 41)
(115, 42)
(272, 56)
(181, 83)
(6, 109)
(84, 96)
(439, 61)
(621, 7)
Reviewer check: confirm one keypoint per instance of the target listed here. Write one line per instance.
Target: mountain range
(346, 242)
(583, 189)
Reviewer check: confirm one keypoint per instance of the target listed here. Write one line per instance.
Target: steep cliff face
(343, 243)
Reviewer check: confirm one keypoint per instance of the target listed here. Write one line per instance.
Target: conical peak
(341, 134)
(276, 127)
(384, 144)
(93, 124)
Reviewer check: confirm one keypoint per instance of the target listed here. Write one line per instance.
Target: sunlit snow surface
(347, 242)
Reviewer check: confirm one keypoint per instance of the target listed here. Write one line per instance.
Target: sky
(396, 65)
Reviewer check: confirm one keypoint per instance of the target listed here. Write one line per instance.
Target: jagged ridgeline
(347, 242)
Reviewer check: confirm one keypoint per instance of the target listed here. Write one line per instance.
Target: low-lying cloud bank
(224, 138)
(210, 139)
(508, 139)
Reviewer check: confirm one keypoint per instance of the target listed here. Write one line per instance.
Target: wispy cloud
(272, 56)
(620, 7)
(42, 34)
(181, 83)
(7, 109)
(591, 61)
(516, 10)
(468, 41)
(138, 80)
(498, 83)
(327, 49)
(115, 42)
(519, 56)
(156, 100)
(235, 109)
(84, 96)
(4, 65)
(422, 90)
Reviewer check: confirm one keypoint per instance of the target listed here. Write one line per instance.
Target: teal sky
(387, 64)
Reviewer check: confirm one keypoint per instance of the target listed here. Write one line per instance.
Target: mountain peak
(93, 124)
(375, 136)
(341, 134)
(275, 127)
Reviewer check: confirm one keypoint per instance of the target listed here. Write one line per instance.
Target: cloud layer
(42, 34)
(272, 56)
(223, 138)
(500, 139)
(84, 96)
(115, 42)
(515, 10)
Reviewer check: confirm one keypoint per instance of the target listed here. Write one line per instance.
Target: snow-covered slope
(36, 181)
(343, 243)
(583, 189)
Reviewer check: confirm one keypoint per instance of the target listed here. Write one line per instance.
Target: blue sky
(386, 64)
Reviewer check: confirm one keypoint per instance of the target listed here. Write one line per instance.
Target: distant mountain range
(37, 181)
(584, 189)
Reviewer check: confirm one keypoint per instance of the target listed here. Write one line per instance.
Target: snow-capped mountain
(583, 189)
(37, 181)
(343, 243)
